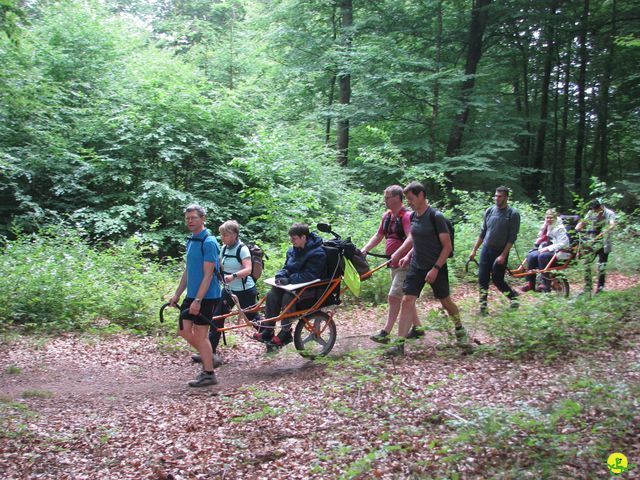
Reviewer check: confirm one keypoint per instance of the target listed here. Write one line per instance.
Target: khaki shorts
(397, 280)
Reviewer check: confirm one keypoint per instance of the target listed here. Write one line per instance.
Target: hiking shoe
(285, 337)
(515, 304)
(381, 337)
(528, 287)
(416, 332)
(280, 340)
(462, 340)
(217, 360)
(261, 337)
(395, 351)
(204, 379)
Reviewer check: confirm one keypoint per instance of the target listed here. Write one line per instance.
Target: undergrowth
(56, 281)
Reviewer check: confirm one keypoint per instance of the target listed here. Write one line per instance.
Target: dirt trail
(126, 366)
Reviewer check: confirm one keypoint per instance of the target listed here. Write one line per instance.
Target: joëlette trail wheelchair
(585, 244)
(315, 332)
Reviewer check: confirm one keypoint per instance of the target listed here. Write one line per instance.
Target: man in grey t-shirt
(426, 248)
(601, 221)
(500, 228)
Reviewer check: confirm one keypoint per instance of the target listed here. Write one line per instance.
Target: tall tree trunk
(523, 107)
(232, 48)
(344, 81)
(578, 181)
(562, 153)
(332, 82)
(538, 160)
(436, 87)
(601, 148)
(479, 17)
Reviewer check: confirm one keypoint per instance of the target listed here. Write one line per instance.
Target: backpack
(399, 230)
(570, 222)
(432, 216)
(346, 248)
(257, 258)
(201, 240)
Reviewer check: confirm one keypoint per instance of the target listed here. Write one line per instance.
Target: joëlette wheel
(315, 335)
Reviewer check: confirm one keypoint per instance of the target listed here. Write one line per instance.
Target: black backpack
(257, 258)
(570, 222)
(432, 216)
(201, 240)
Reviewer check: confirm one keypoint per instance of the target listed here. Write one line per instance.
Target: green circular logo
(617, 463)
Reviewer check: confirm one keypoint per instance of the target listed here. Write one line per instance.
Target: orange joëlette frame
(330, 286)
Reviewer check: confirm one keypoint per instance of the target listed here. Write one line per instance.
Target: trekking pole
(466, 265)
(378, 255)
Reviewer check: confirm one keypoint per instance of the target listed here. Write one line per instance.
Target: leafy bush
(57, 281)
(551, 326)
(535, 443)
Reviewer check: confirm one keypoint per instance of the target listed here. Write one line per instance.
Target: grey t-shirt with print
(599, 222)
(426, 243)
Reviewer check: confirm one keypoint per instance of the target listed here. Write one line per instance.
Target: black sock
(209, 373)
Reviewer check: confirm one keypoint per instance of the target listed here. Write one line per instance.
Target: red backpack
(399, 229)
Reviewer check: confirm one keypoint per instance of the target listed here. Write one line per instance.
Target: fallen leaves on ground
(118, 407)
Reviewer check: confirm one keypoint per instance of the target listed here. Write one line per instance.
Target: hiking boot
(416, 332)
(527, 288)
(285, 337)
(515, 304)
(264, 337)
(204, 379)
(381, 337)
(462, 340)
(217, 360)
(395, 351)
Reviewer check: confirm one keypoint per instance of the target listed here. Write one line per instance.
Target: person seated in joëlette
(552, 239)
(306, 261)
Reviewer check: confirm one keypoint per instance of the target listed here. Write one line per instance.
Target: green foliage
(57, 281)
(14, 418)
(551, 327)
(539, 443)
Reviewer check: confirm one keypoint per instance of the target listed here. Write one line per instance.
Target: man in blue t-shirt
(203, 291)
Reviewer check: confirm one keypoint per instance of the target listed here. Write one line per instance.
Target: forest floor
(77, 406)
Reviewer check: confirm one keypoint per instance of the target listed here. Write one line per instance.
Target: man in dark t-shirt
(394, 225)
(426, 250)
(500, 227)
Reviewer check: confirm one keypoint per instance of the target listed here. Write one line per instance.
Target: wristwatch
(436, 266)
(235, 275)
(197, 300)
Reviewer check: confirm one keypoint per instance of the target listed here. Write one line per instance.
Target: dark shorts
(207, 306)
(415, 282)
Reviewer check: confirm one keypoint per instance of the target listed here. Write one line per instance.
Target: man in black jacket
(306, 261)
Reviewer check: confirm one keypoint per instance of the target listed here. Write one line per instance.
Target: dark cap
(593, 204)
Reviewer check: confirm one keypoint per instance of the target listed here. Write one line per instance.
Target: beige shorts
(397, 280)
